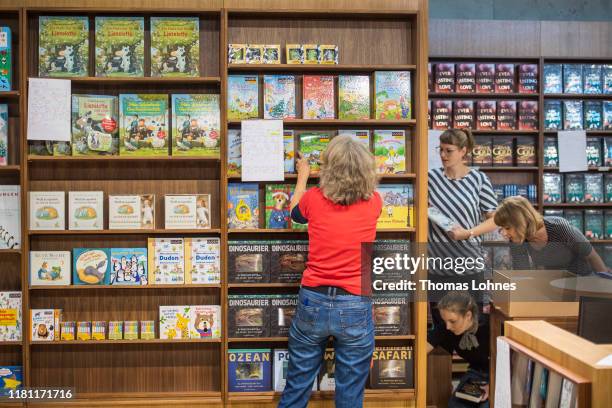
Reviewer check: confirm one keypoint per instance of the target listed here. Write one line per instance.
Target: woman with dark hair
(341, 213)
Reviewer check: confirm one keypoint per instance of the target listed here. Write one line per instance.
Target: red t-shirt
(335, 234)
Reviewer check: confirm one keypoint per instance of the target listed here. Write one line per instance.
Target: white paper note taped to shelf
(263, 158)
(606, 361)
(433, 141)
(571, 145)
(49, 109)
(502, 375)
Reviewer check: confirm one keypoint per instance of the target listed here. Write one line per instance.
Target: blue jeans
(349, 320)
(455, 402)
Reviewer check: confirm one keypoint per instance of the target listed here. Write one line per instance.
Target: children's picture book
(85, 210)
(11, 321)
(174, 322)
(361, 136)
(11, 378)
(390, 151)
(205, 322)
(131, 211)
(147, 329)
(318, 97)
(397, 206)
(353, 97)
(47, 209)
(144, 124)
(196, 125)
(49, 268)
(393, 95)
(328, 54)
(175, 46)
(91, 266)
(63, 46)
(6, 67)
(312, 145)
(295, 53)
(128, 266)
(234, 153)
(95, 125)
(289, 150)
(311, 53)
(187, 211)
(4, 134)
(243, 205)
(278, 198)
(254, 53)
(120, 46)
(242, 97)
(271, 54)
(202, 261)
(44, 324)
(10, 217)
(279, 97)
(249, 370)
(236, 53)
(166, 261)
(437, 217)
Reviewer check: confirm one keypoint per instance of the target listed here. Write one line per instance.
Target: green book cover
(393, 95)
(95, 126)
(353, 97)
(175, 46)
(63, 46)
(144, 125)
(120, 46)
(390, 151)
(196, 125)
(312, 145)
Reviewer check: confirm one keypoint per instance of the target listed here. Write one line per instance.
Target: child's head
(348, 171)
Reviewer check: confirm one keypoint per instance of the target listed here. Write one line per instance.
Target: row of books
(598, 151)
(243, 206)
(119, 46)
(483, 78)
(176, 261)
(529, 191)
(6, 62)
(577, 79)
(389, 148)
(250, 370)
(594, 224)
(271, 315)
(86, 211)
(483, 115)
(138, 125)
(271, 54)
(102, 330)
(577, 115)
(10, 217)
(577, 188)
(392, 90)
(504, 151)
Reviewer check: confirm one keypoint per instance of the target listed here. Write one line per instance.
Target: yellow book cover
(397, 201)
(295, 53)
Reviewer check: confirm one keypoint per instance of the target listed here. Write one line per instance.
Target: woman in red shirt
(341, 214)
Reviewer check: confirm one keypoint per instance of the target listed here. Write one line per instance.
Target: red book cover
(429, 114)
(318, 97)
(528, 115)
(465, 78)
(486, 115)
(528, 78)
(463, 114)
(442, 114)
(506, 115)
(485, 76)
(445, 78)
(504, 78)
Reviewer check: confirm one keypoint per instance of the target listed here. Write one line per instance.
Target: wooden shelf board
(125, 287)
(32, 158)
(264, 231)
(11, 343)
(9, 94)
(577, 96)
(154, 341)
(441, 95)
(593, 169)
(263, 285)
(407, 229)
(125, 232)
(341, 122)
(505, 132)
(280, 339)
(145, 80)
(10, 251)
(13, 168)
(385, 394)
(507, 168)
(317, 68)
(321, 13)
(292, 177)
(152, 399)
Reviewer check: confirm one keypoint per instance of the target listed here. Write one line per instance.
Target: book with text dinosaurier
(63, 46)
(196, 125)
(144, 125)
(120, 46)
(175, 46)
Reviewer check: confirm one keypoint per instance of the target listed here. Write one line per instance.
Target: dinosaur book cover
(144, 125)
(248, 316)
(196, 125)
(282, 310)
(288, 261)
(175, 46)
(63, 46)
(95, 125)
(120, 46)
(91, 266)
(248, 262)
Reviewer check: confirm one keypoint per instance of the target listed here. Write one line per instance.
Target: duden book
(281, 367)
(249, 370)
(392, 367)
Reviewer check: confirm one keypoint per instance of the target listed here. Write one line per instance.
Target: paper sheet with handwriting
(570, 143)
(49, 109)
(263, 157)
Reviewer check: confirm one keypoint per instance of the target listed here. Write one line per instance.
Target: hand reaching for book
(485, 388)
(302, 166)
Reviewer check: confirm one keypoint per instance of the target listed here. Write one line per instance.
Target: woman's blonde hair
(348, 171)
(518, 213)
(460, 138)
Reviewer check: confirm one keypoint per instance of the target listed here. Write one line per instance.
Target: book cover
(254, 54)
(196, 125)
(608, 187)
(281, 367)
(50, 268)
(528, 116)
(311, 53)
(463, 114)
(90, 266)
(504, 78)
(271, 54)
(553, 188)
(175, 46)
(593, 115)
(392, 367)
(465, 78)
(115, 330)
(234, 153)
(147, 330)
(44, 324)
(236, 54)
(506, 115)
(553, 119)
(278, 197)
(430, 80)
(528, 78)
(279, 97)
(485, 78)
(4, 135)
(10, 217)
(391, 314)
(486, 115)
(553, 78)
(353, 97)
(120, 46)
(361, 136)
(85, 210)
(397, 203)
(328, 54)
(318, 97)
(95, 125)
(248, 316)
(607, 115)
(593, 224)
(289, 150)
(553, 397)
(174, 322)
(131, 211)
(243, 205)
(444, 78)
(470, 392)
(205, 322)
(11, 320)
(144, 125)
(248, 261)
(393, 95)
(282, 311)
(129, 266)
(591, 78)
(63, 46)
(574, 217)
(442, 113)
(47, 209)
(242, 97)
(249, 370)
(572, 115)
(288, 261)
(572, 78)
(295, 53)
(187, 211)
(606, 74)
(166, 261)
(526, 151)
(608, 225)
(482, 153)
(607, 151)
(6, 67)
(327, 373)
(11, 378)
(202, 261)
(593, 188)
(503, 148)
(390, 151)
(594, 152)
(312, 145)
(574, 188)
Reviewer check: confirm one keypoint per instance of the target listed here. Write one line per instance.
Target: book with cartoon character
(318, 97)
(11, 378)
(6, 62)
(234, 152)
(91, 266)
(205, 322)
(397, 206)
(47, 210)
(279, 97)
(120, 46)
(312, 145)
(144, 125)
(86, 210)
(50, 268)
(11, 321)
(390, 151)
(242, 97)
(166, 261)
(278, 198)
(44, 324)
(175, 46)
(63, 46)
(243, 205)
(131, 211)
(393, 95)
(95, 125)
(196, 125)
(174, 322)
(353, 97)
(128, 266)
(202, 261)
